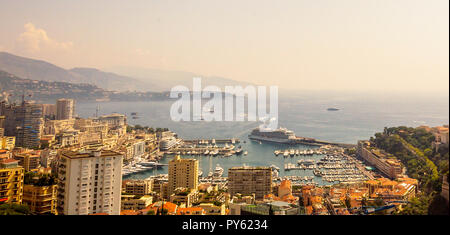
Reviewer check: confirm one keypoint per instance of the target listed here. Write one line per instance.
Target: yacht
(218, 172)
(286, 153)
(292, 152)
(245, 153)
(273, 167)
(239, 151)
(276, 152)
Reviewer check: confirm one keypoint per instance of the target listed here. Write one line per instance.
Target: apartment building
(11, 181)
(40, 199)
(134, 202)
(64, 109)
(139, 187)
(28, 125)
(7, 142)
(89, 182)
(29, 160)
(390, 166)
(182, 173)
(248, 180)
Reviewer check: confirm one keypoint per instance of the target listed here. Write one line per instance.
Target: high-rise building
(182, 173)
(89, 182)
(248, 180)
(11, 181)
(49, 110)
(64, 109)
(23, 121)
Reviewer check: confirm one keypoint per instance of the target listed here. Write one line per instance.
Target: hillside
(14, 87)
(44, 71)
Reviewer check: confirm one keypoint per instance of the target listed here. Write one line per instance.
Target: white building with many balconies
(89, 182)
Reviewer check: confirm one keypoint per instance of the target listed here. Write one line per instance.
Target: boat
(273, 167)
(218, 172)
(332, 109)
(286, 153)
(239, 151)
(200, 173)
(206, 152)
(281, 135)
(276, 152)
(291, 152)
(297, 152)
(210, 174)
(245, 153)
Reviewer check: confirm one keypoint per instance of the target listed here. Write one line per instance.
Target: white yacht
(218, 172)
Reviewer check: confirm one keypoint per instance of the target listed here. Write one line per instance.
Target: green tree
(14, 209)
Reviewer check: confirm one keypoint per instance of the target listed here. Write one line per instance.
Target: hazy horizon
(349, 45)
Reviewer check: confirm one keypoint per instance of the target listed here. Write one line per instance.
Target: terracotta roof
(10, 160)
(190, 211)
(129, 212)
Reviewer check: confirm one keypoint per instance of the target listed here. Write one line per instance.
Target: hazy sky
(399, 45)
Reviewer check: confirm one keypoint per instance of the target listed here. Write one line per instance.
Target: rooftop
(78, 155)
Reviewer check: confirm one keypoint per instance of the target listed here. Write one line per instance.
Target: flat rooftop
(77, 155)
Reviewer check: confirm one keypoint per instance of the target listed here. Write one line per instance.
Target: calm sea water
(360, 117)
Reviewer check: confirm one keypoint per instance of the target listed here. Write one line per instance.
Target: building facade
(391, 167)
(64, 109)
(247, 180)
(40, 199)
(182, 173)
(11, 181)
(89, 182)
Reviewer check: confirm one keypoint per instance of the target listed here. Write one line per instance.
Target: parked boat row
(298, 152)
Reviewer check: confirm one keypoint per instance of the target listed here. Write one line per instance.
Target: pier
(212, 141)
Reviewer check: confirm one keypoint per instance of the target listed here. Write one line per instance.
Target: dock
(212, 141)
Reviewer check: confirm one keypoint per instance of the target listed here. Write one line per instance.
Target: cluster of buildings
(77, 166)
(440, 134)
(83, 155)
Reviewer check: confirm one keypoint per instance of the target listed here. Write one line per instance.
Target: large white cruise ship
(281, 135)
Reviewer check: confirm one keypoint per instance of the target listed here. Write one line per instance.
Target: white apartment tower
(64, 109)
(89, 182)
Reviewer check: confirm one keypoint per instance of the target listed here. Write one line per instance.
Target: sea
(359, 117)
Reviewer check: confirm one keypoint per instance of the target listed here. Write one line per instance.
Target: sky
(370, 45)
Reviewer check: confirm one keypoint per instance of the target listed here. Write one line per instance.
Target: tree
(14, 209)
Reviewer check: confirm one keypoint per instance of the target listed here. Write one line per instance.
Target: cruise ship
(281, 135)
